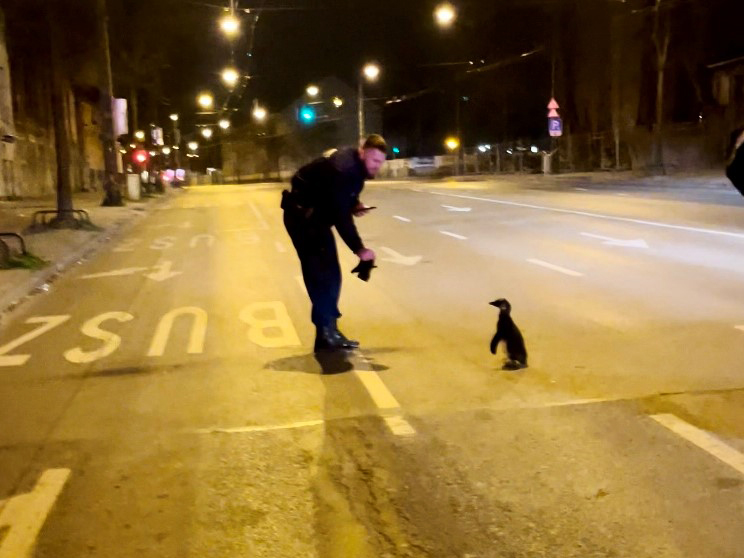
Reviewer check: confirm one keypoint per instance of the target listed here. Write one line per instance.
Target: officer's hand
(366, 255)
(360, 209)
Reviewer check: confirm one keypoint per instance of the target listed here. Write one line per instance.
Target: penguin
(508, 332)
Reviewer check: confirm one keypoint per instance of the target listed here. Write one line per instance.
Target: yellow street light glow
(174, 117)
(371, 71)
(205, 100)
(229, 24)
(166, 150)
(193, 145)
(312, 90)
(259, 113)
(338, 102)
(452, 143)
(445, 14)
(139, 135)
(230, 76)
(206, 132)
(224, 123)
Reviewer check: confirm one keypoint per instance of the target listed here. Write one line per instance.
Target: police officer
(325, 194)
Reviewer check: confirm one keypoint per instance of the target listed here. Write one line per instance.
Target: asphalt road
(162, 399)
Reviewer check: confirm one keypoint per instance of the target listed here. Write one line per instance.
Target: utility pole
(111, 186)
(360, 110)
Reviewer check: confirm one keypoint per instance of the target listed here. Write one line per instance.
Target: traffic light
(140, 156)
(307, 114)
(396, 150)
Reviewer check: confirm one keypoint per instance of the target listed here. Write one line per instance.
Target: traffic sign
(553, 105)
(553, 114)
(555, 127)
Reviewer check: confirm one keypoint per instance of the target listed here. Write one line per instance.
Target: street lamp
(229, 25)
(259, 113)
(371, 72)
(193, 146)
(452, 143)
(166, 150)
(206, 132)
(230, 76)
(139, 135)
(224, 123)
(312, 90)
(337, 102)
(445, 14)
(206, 101)
(174, 117)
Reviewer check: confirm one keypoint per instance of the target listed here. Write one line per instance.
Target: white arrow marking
(25, 514)
(116, 272)
(453, 208)
(404, 219)
(163, 272)
(609, 241)
(395, 257)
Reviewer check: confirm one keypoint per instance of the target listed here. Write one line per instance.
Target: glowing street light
(166, 150)
(224, 123)
(229, 25)
(337, 102)
(312, 90)
(174, 117)
(452, 143)
(193, 146)
(259, 113)
(206, 132)
(139, 135)
(230, 76)
(205, 100)
(371, 71)
(445, 14)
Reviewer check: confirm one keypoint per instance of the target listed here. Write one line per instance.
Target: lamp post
(176, 139)
(370, 72)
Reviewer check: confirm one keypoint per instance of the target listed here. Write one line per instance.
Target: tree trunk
(112, 188)
(61, 128)
(134, 106)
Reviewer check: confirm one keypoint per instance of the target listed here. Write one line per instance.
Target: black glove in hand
(364, 269)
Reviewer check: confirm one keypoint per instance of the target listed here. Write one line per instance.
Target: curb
(35, 283)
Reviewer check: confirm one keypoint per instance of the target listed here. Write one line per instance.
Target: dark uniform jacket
(330, 188)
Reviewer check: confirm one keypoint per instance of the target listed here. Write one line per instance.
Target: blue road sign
(555, 127)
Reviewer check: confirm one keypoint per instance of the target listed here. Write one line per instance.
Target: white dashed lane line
(404, 219)
(702, 439)
(454, 235)
(557, 268)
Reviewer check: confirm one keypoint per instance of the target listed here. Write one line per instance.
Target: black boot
(352, 343)
(330, 339)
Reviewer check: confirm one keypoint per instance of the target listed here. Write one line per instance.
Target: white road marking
(702, 439)
(259, 216)
(397, 258)
(454, 235)
(270, 325)
(740, 328)
(598, 216)
(111, 341)
(260, 428)
(609, 241)
(280, 247)
(404, 219)
(50, 322)
(301, 283)
(400, 426)
(555, 267)
(115, 273)
(163, 272)
(377, 389)
(582, 189)
(208, 237)
(25, 514)
(454, 208)
(163, 331)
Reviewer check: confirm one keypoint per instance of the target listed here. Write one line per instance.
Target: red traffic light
(140, 156)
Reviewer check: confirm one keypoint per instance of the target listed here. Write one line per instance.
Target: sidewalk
(61, 248)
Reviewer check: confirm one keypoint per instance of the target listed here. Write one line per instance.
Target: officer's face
(373, 160)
